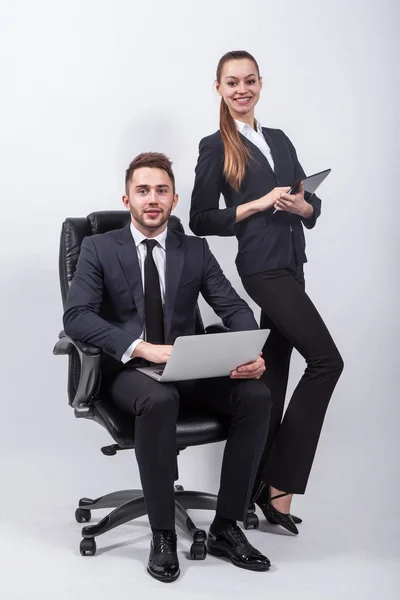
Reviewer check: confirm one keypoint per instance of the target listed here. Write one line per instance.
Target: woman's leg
(288, 464)
(276, 353)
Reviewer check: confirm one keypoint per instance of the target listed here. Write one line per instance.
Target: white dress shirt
(257, 138)
(159, 255)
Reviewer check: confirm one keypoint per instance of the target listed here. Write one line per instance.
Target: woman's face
(240, 86)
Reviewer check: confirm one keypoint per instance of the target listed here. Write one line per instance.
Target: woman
(254, 168)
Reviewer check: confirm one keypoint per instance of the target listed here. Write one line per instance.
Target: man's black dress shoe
(233, 544)
(163, 560)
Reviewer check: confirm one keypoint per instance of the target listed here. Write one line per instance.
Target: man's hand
(154, 353)
(250, 371)
(295, 203)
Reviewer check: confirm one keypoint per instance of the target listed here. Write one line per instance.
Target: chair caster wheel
(83, 515)
(88, 547)
(198, 551)
(251, 521)
(179, 488)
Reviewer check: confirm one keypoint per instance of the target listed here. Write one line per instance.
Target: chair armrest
(89, 379)
(216, 328)
(65, 345)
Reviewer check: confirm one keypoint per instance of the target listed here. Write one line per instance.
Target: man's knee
(255, 397)
(164, 400)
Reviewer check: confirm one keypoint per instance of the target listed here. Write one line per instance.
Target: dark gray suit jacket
(266, 240)
(105, 303)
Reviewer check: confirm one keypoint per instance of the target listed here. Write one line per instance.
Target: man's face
(150, 200)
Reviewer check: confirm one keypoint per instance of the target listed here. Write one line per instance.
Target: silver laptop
(209, 355)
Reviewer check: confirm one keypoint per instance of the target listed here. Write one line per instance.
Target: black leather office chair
(84, 375)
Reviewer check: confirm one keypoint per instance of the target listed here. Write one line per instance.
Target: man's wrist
(139, 350)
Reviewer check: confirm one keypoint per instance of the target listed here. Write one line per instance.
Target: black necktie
(152, 298)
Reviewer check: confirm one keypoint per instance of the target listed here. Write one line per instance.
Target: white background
(86, 85)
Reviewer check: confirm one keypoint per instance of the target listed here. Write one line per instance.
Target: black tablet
(311, 183)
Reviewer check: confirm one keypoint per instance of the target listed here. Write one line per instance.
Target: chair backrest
(75, 229)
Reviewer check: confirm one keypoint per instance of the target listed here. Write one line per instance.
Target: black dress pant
(155, 406)
(294, 322)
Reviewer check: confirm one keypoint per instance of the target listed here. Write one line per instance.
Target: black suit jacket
(105, 303)
(265, 240)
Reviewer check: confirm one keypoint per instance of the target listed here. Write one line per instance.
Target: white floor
(337, 555)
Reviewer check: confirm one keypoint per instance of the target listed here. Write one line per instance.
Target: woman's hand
(295, 203)
(270, 199)
(249, 209)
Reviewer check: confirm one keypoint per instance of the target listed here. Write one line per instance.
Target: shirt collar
(243, 127)
(138, 237)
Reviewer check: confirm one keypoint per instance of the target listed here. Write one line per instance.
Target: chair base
(129, 505)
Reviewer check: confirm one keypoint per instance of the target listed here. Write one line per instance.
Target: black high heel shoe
(274, 516)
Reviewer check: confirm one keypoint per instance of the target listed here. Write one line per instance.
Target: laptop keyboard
(159, 372)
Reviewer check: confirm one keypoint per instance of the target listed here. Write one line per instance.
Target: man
(106, 306)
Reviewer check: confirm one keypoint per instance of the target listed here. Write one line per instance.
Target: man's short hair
(153, 160)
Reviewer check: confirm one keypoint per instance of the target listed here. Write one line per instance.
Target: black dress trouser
(295, 323)
(155, 406)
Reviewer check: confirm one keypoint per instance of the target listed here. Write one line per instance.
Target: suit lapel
(128, 258)
(175, 256)
(280, 161)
